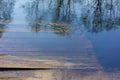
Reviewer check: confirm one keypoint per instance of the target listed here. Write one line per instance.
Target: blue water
(77, 31)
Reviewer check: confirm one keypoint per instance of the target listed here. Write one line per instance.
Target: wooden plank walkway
(68, 59)
(57, 75)
(12, 62)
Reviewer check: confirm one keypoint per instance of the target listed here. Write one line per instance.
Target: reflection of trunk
(97, 18)
(63, 10)
(36, 9)
(2, 29)
(36, 27)
(68, 9)
(98, 11)
(59, 5)
(34, 15)
(98, 7)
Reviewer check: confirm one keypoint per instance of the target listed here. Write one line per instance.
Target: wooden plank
(18, 63)
(57, 75)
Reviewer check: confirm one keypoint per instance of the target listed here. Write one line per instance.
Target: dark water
(78, 31)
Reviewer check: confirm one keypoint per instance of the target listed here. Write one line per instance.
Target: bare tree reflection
(95, 15)
(50, 11)
(6, 8)
(105, 16)
(64, 10)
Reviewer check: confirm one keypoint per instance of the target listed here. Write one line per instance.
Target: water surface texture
(85, 33)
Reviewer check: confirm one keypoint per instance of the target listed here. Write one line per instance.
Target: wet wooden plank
(13, 62)
(58, 75)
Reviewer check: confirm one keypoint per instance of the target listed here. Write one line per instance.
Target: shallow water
(75, 31)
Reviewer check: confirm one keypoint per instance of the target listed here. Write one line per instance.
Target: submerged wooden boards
(58, 75)
(12, 62)
(23, 44)
(75, 52)
(41, 69)
(15, 62)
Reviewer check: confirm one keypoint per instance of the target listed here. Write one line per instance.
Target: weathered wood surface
(58, 75)
(31, 63)
(16, 68)
(16, 62)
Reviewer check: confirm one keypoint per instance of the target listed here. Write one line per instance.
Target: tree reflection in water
(62, 17)
(6, 8)
(56, 12)
(104, 17)
(94, 15)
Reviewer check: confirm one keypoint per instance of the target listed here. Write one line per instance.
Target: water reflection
(94, 15)
(2, 29)
(49, 10)
(102, 16)
(6, 9)
(57, 14)
(61, 17)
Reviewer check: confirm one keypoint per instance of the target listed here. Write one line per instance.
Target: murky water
(74, 31)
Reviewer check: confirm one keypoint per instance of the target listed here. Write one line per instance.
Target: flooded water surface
(82, 34)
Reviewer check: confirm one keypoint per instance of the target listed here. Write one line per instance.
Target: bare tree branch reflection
(6, 8)
(57, 11)
(105, 16)
(95, 15)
